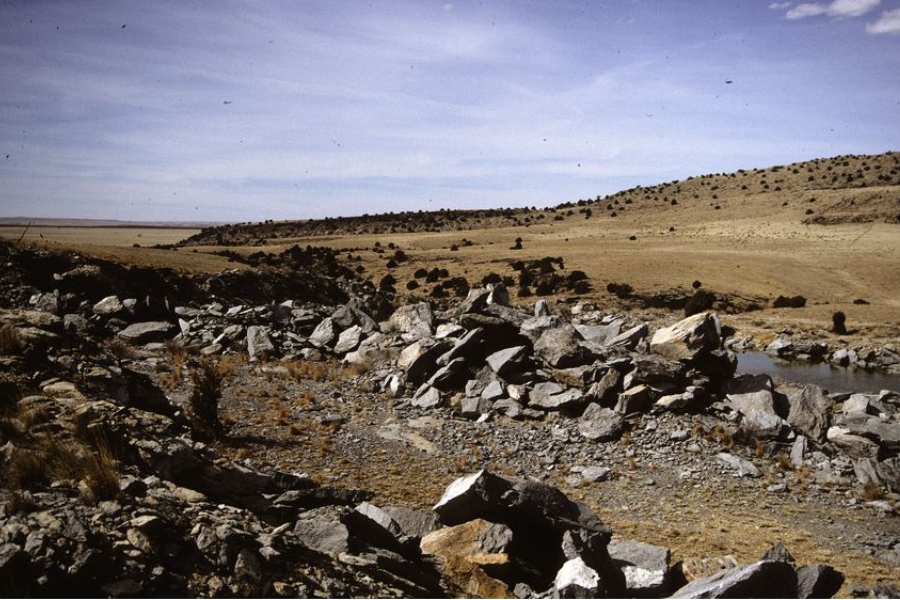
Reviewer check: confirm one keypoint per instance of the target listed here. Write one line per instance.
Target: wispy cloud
(779, 5)
(837, 9)
(888, 22)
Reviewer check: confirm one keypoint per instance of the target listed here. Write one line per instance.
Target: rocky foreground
(127, 399)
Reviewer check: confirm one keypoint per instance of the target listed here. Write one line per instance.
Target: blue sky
(245, 111)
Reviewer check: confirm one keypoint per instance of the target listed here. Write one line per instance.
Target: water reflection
(830, 378)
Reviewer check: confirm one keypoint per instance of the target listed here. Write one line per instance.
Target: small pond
(830, 378)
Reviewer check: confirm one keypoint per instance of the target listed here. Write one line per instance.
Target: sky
(254, 110)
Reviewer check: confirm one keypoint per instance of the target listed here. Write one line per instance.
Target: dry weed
(872, 491)
(206, 391)
(10, 341)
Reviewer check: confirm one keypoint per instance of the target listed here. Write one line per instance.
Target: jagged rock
(535, 326)
(259, 344)
(348, 340)
(645, 566)
(414, 320)
(426, 397)
(412, 523)
(855, 446)
(550, 395)
(420, 360)
(322, 530)
(468, 347)
(144, 333)
(449, 375)
(601, 335)
(605, 391)
(742, 467)
(537, 508)
(763, 579)
(601, 424)
(818, 581)
(754, 397)
(629, 339)
(575, 579)
(688, 339)
(468, 552)
(809, 411)
(634, 400)
(561, 348)
(509, 363)
(108, 306)
(541, 308)
(324, 333)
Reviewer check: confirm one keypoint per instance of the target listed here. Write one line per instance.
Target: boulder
(688, 339)
(742, 467)
(108, 306)
(629, 339)
(754, 397)
(856, 446)
(763, 579)
(468, 552)
(324, 334)
(415, 320)
(601, 424)
(349, 339)
(144, 333)
(259, 344)
(818, 581)
(561, 348)
(575, 579)
(509, 363)
(808, 411)
(646, 567)
(634, 400)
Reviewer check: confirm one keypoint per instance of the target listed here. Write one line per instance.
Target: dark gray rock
(637, 399)
(818, 581)
(808, 412)
(763, 579)
(601, 424)
(144, 333)
(510, 363)
(259, 344)
(561, 348)
(646, 567)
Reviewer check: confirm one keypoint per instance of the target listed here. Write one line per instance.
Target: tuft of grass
(11, 342)
(872, 491)
(206, 391)
(27, 469)
(120, 349)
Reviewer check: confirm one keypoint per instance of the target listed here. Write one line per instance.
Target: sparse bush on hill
(839, 323)
(699, 302)
(621, 290)
(792, 302)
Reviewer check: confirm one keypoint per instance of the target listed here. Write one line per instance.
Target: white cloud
(888, 22)
(837, 9)
(779, 5)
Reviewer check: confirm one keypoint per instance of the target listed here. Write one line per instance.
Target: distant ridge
(44, 222)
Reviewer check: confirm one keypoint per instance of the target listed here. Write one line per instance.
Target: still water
(830, 378)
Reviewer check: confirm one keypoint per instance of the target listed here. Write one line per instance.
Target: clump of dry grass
(120, 349)
(872, 491)
(206, 391)
(11, 342)
(322, 371)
